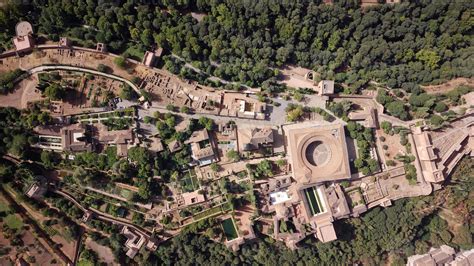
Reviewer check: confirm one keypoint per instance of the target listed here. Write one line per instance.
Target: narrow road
(352, 96)
(145, 206)
(397, 122)
(217, 118)
(102, 118)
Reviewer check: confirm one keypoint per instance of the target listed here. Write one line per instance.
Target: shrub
(436, 120)
(55, 92)
(184, 109)
(121, 62)
(233, 155)
(7, 78)
(127, 93)
(298, 96)
(386, 126)
(440, 107)
(398, 109)
(104, 68)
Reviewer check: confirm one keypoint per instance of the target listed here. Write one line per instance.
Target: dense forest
(245, 41)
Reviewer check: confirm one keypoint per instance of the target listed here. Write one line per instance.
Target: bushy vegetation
(341, 109)
(455, 95)
(7, 79)
(127, 93)
(461, 185)
(393, 105)
(294, 112)
(104, 68)
(55, 92)
(233, 155)
(52, 86)
(121, 62)
(420, 104)
(261, 170)
(15, 133)
(364, 138)
(387, 127)
(103, 161)
(120, 123)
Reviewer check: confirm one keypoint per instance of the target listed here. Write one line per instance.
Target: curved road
(81, 69)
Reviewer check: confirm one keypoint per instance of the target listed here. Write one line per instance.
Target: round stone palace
(318, 152)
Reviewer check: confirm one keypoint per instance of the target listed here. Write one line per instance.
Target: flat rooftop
(279, 197)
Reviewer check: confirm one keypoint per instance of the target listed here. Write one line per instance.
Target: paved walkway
(90, 120)
(145, 206)
(277, 115)
(395, 121)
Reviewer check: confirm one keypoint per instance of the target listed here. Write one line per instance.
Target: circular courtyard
(317, 153)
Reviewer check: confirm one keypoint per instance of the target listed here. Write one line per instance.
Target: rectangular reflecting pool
(229, 229)
(314, 201)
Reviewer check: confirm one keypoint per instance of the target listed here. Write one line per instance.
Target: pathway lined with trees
(104, 216)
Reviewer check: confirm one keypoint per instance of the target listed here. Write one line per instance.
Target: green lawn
(90, 92)
(13, 222)
(195, 181)
(63, 232)
(227, 206)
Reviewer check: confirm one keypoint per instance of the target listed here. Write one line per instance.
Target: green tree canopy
(55, 92)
